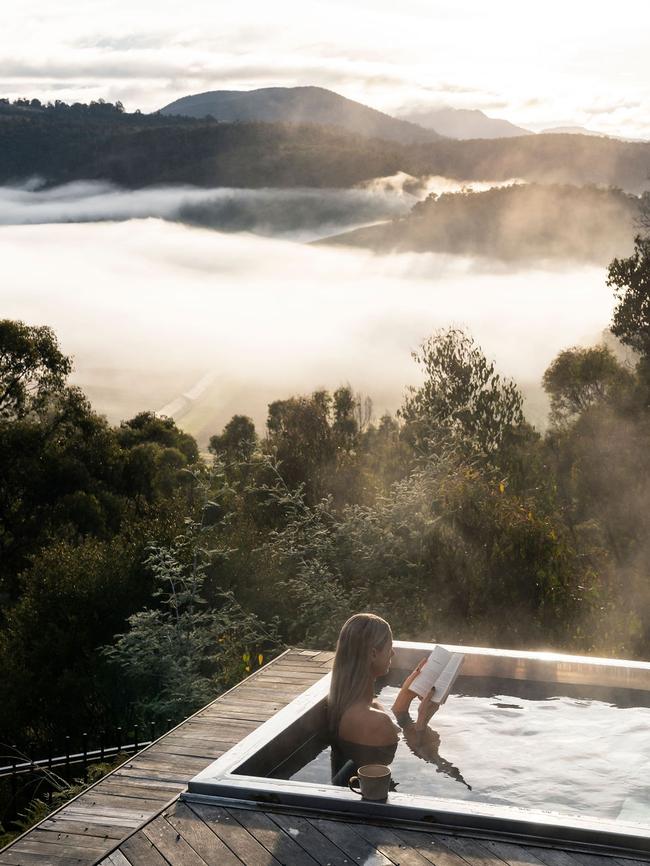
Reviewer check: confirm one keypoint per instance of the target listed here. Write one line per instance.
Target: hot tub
(538, 746)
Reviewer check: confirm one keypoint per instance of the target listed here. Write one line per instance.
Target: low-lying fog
(298, 214)
(148, 307)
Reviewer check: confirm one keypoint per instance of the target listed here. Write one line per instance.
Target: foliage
(513, 222)
(180, 654)
(62, 791)
(238, 440)
(462, 397)
(581, 378)
(630, 279)
(32, 368)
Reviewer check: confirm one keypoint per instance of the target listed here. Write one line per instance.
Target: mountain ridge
(463, 123)
(305, 104)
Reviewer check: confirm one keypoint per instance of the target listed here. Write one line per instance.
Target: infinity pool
(560, 751)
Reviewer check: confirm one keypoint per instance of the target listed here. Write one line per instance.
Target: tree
(462, 396)
(237, 441)
(32, 368)
(301, 436)
(580, 378)
(630, 279)
(180, 652)
(346, 425)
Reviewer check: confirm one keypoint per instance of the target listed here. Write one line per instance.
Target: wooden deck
(134, 817)
(91, 824)
(192, 834)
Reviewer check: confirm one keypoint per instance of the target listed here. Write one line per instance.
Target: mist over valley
(146, 308)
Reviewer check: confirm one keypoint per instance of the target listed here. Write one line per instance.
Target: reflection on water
(560, 752)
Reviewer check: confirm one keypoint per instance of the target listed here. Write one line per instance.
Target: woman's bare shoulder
(368, 726)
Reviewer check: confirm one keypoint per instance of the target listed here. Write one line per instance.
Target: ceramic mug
(373, 781)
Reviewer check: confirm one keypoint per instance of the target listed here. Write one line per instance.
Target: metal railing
(21, 766)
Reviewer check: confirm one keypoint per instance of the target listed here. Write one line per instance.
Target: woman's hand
(405, 696)
(426, 710)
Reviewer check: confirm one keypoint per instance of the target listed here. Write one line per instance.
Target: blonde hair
(362, 633)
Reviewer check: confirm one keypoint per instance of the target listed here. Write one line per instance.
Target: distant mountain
(298, 105)
(463, 123)
(580, 130)
(521, 222)
(572, 130)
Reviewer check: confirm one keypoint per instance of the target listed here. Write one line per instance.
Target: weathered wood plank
(322, 849)
(114, 819)
(268, 834)
(171, 844)
(155, 760)
(69, 840)
(515, 855)
(232, 834)
(137, 771)
(139, 805)
(200, 837)
(251, 713)
(13, 857)
(29, 845)
(595, 859)
(187, 747)
(554, 857)
(278, 695)
(140, 851)
(471, 850)
(390, 845)
(116, 858)
(84, 828)
(137, 781)
(430, 846)
(351, 843)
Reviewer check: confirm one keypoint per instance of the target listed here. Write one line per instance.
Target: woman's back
(367, 725)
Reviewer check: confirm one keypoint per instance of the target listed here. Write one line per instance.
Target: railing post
(50, 753)
(14, 786)
(152, 731)
(67, 757)
(84, 742)
(119, 739)
(102, 743)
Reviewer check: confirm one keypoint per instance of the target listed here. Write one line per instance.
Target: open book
(440, 670)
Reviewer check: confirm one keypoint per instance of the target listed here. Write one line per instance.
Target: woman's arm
(405, 697)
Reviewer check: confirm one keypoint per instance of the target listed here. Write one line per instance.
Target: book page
(440, 670)
(447, 678)
(432, 669)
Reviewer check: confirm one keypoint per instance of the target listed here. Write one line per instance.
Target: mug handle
(351, 782)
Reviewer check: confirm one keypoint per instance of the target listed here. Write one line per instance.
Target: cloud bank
(148, 307)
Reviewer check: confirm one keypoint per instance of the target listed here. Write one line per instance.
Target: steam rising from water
(147, 308)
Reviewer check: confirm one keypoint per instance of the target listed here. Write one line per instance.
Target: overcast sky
(558, 63)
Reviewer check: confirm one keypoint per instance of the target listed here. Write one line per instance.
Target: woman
(362, 731)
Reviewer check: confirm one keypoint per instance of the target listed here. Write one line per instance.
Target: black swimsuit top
(357, 755)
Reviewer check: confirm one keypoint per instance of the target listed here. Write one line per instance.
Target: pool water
(560, 752)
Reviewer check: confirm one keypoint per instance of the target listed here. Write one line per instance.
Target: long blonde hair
(362, 633)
